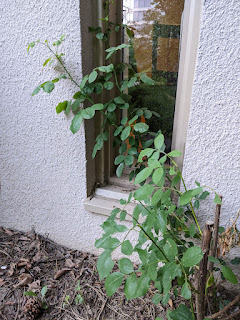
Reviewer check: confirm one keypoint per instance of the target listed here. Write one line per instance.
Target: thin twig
(6, 254)
(233, 315)
(218, 314)
(213, 250)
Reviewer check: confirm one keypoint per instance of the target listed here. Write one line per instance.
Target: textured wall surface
(43, 165)
(213, 145)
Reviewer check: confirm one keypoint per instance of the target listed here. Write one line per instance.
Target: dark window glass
(155, 51)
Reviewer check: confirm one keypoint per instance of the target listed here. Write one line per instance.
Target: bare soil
(29, 262)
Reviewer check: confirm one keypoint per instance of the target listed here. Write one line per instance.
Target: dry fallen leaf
(9, 232)
(69, 263)
(24, 279)
(24, 239)
(2, 282)
(60, 273)
(38, 256)
(24, 263)
(170, 303)
(12, 268)
(35, 285)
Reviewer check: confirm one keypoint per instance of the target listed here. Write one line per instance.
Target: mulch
(29, 261)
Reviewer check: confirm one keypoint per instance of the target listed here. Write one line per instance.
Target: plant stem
(60, 61)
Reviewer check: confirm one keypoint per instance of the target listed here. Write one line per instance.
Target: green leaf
(143, 192)
(141, 127)
(152, 163)
(48, 86)
(30, 293)
(136, 213)
(172, 270)
(229, 275)
(127, 248)
(97, 106)
(181, 313)
(31, 45)
(69, 103)
(204, 195)
(44, 291)
(145, 153)
(106, 242)
(175, 180)
(61, 106)
(159, 141)
(192, 230)
(88, 113)
(156, 197)
(104, 264)
(117, 131)
(46, 61)
(186, 292)
(123, 148)
(192, 257)
(235, 261)
(121, 228)
(197, 191)
(119, 159)
(108, 85)
(157, 299)
(92, 76)
(119, 170)
(36, 90)
(185, 198)
(130, 286)
(214, 260)
(143, 285)
(147, 114)
(75, 105)
(123, 215)
(162, 221)
(133, 119)
(170, 249)
(166, 196)
(119, 100)
(125, 133)
(113, 282)
(217, 200)
(132, 81)
(157, 176)
(196, 204)
(84, 81)
(76, 123)
(143, 175)
(143, 255)
(174, 154)
(98, 88)
(57, 43)
(125, 266)
(144, 78)
(129, 160)
(111, 107)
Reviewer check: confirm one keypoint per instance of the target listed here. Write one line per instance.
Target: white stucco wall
(43, 165)
(212, 153)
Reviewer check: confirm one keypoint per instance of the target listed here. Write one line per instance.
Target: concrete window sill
(106, 198)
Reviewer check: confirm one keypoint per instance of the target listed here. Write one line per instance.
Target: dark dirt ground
(29, 262)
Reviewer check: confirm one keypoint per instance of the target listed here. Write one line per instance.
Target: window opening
(155, 47)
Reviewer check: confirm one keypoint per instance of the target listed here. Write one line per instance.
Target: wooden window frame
(99, 172)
